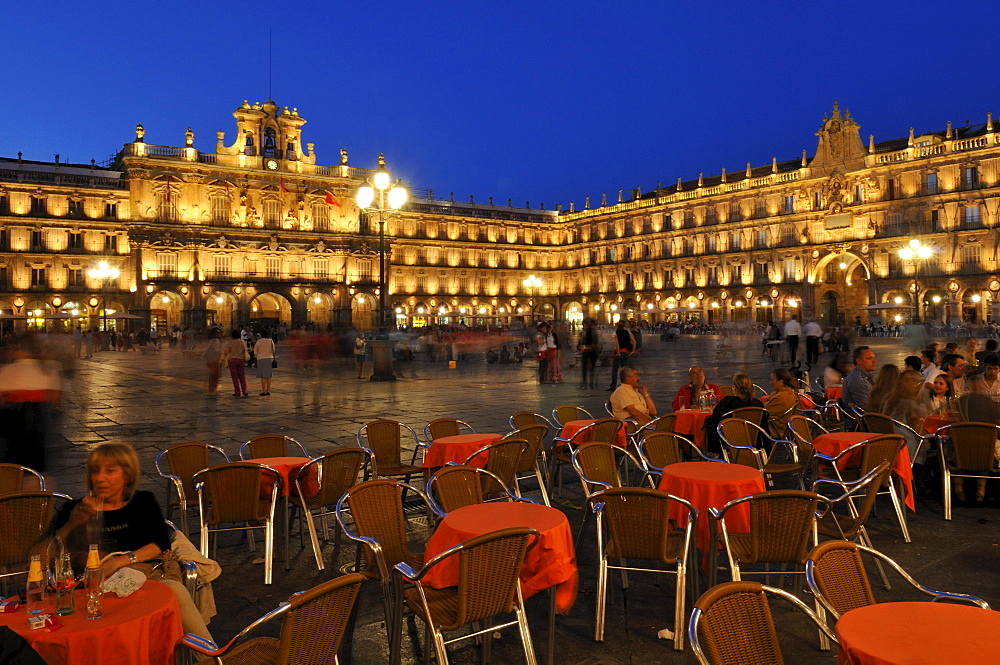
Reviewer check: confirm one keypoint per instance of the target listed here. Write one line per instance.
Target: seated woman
(780, 401)
(905, 405)
(886, 379)
(941, 391)
(743, 395)
(130, 521)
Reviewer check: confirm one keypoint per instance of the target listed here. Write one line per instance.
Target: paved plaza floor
(154, 401)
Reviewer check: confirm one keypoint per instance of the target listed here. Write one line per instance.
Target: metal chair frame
(180, 484)
(654, 470)
(586, 432)
(474, 472)
(268, 526)
(518, 420)
(502, 460)
(581, 414)
(249, 444)
(15, 473)
(397, 462)
(947, 472)
(734, 451)
(534, 462)
(451, 427)
(897, 427)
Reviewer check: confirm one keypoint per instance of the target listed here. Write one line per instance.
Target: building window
(321, 268)
(760, 272)
(688, 218)
(736, 241)
(789, 204)
(484, 284)
(272, 214)
(75, 240)
(221, 265)
(111, 210)
(817, 200)
(220, 210)
(38, 277)
(761, 238)
(788, 235)
(713, 275)
(710, 244)
(971, 219)
(789, 270)
(689, 277)
(166, 264)
(894, 224)
(736, 275)
(422, 283)
(75, 277)
(270, 143)
(930, 183)
(75, 208)
(463, 284)
(111, 243)
(4, 205)
(272, 266)
(859, 194)
(39, 206)
(365, 271)
(734, 212)
(970, 178)
(710, 215)
(611, 254)
(668, 278)
(36, 240)
(321, 217)
(760, 208)
(830, 276)
(166, 207)
(971, 257)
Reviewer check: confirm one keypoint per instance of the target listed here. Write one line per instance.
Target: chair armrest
(209, 648)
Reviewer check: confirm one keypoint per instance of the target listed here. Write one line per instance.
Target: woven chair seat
(827, 527)
(741, 545)
(258, 651)
(260, 514)
(778, 469)
(397, 470)
(648, 548)
(443, 604)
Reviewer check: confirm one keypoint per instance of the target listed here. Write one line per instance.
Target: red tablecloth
(457, 449)
(287, 467)
(931, 424)
(139, 630)
(573, 426)
(691, 423)
(834, 392)
(834, 443)
(552, 562)
(919, 634)
(711, 485)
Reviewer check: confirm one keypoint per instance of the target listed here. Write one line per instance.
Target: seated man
(631, 400)
(491, 356)
(688, 395)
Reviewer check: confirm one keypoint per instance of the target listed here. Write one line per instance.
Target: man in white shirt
(630, 400)
(991, 373)
(928, 368)
(792, 331)
(813, 332)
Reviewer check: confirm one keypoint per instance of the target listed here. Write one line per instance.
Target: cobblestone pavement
(157, 400)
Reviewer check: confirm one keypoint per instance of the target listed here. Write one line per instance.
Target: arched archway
(36, 311)
(363, 311)
(166, 310)
(319, 309)
(221, 310)
(829, 310)
(573, 313)
(270, 309)
(934, 305)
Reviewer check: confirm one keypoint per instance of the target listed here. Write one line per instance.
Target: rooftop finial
(948, 133)
(723, 174)
(805, 163)
(701, 179)
(989, 121)
(679, 188)
(909, 141)
(774, 165)
(871, 144)
(748, 169)
(140, 131)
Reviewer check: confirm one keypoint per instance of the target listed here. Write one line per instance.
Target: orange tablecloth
(711, 485)
(691, 423)
(834, 443)
(552, 562)
(931, 424)
(573, 426)
(918, 634)
(287, 467)
(138, 630)
(834, 392)
(457, 449)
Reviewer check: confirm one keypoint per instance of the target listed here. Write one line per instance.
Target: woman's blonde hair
(743, 386)
(118, 454)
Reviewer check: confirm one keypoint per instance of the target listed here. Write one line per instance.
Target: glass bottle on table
(35, 587)
(65, 584)
(93, 578)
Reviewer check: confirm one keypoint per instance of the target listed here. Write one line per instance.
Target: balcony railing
(244, 277)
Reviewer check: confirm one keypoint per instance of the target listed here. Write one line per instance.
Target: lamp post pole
(384, 203)
(531, 284)
(104, 273)
(914, 252)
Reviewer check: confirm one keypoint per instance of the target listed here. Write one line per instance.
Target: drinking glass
(93, 579)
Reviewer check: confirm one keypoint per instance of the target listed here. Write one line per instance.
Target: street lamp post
(531, 284)
(385, 204)
(104, 273)
(913, 252)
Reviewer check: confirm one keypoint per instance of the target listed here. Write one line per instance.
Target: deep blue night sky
(540, 102)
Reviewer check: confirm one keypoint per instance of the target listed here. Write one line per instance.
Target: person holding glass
(129, 520)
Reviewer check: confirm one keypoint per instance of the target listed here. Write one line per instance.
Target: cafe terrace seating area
(435, 541)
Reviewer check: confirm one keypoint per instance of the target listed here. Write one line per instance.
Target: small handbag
(274, 362)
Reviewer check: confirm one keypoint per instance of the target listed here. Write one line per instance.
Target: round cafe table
(288, 468)
(571, 427)
(711, 485)
(691, 423)
(918, 633)
(138, 630)
(550, 563)
(834, 392)
(457, 449)
(932, 424)
(834, 443)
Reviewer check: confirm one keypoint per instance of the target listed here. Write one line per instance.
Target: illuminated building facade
(257, 231)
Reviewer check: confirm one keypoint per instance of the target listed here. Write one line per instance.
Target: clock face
(271, 164)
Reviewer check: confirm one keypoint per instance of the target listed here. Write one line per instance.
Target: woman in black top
(130, 521)
(743, 395)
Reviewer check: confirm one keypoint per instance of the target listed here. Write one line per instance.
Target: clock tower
(267, 138)
(840, 147)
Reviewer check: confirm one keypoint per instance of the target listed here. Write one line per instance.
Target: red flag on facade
(168, 192)
(281, 183)
(331, 200)
(227, 189)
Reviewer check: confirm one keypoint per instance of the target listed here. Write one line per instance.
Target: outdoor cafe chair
(489, 567)
(802, 430)
(502, 460)
(371, 514)
(973, 455)
(458, 485)
(313, 625)
(523, 419)
(439, 427)
(660, 449)
(873, 451)
(605, 429)
(234, 493)
(534, 460)
(12, 478)
(333, 474)
(741, 445)
(24, 519)
(732, 624)
(271, 445)
(564, 413)
(633, 524)
(916, 442)
(385, 439)
(601, 466)
(178, 464)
